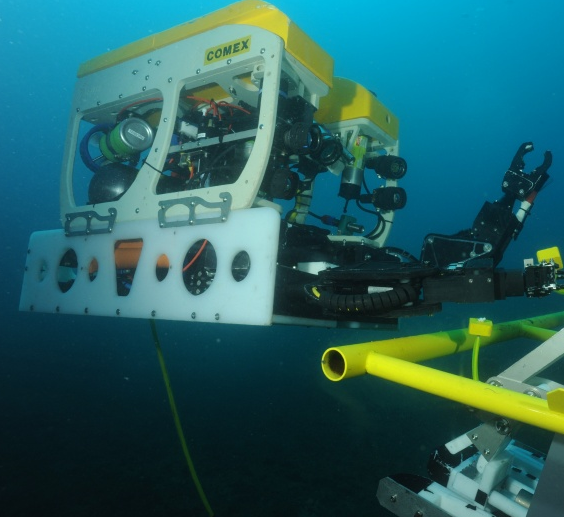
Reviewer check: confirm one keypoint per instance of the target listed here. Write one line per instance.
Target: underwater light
(388, 166)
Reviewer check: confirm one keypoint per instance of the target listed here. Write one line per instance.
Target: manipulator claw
(520, 185)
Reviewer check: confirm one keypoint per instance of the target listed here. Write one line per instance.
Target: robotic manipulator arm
(390, 283)
(468, 259)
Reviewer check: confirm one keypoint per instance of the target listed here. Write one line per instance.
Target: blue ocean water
(84, 424)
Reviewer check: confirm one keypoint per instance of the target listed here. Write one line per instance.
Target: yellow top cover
(348, 100)
(248, 12)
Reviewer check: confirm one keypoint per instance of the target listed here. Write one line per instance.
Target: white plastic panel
(249, 301)
(164, 72)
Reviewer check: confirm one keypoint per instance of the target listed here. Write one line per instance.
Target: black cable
(315, 215)
(145, 162)
(373, 212)
(378, 229)
(365, 185)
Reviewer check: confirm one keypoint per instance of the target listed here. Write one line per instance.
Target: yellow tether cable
(475, 352)
(177, 421)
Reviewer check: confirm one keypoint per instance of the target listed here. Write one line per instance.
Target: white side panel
(249, 301)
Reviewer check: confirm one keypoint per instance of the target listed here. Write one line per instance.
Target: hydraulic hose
(83, 148)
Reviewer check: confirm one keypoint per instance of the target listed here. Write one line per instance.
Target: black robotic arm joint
(463, 276)
(520, 185)
(496, 223)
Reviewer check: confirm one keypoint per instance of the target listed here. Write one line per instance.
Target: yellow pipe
(537, 333)
(500, 401)
(348, 361)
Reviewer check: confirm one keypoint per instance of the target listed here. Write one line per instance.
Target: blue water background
(84, 423)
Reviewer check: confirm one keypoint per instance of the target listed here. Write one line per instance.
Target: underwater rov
(191, 165)
(191, 170)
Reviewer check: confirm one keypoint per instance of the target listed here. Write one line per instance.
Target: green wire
(177, 421)
(475, 352)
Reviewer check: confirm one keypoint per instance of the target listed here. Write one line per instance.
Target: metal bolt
(169, 79)
(146, 78)
(137, 210)
(229, 61)
(135, 72)
(474, 437)
(216, 316)
(393, 498)
(85, 310)
(153, 313)
(487, 452)
(118, 312)
(502, 426)
(198, 71)
(149, 60)
(262, 50)
(158, 62)
(193, 315)
(144, 88)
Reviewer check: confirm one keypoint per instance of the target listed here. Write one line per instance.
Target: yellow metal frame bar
(394, 359)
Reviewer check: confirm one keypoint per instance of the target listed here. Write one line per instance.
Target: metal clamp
(224, 207)
(88, 216)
